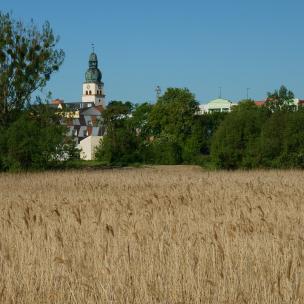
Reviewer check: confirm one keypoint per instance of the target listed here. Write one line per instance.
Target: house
(217, 105)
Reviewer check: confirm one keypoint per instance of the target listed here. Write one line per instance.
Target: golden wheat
(168, 235)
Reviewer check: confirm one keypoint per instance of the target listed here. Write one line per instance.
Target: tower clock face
(88, 86)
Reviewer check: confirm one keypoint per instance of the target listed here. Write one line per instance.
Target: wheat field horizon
(165, 234)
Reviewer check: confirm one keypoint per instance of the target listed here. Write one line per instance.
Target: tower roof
(93, 74)
(93, 57)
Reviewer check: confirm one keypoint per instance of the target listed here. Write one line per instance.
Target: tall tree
(28, 57)
(173, 113)
(172, 121)
(280, 100)
(119, 143)
(236, 141)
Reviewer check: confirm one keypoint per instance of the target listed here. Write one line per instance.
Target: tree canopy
(31, 134)
(281, 100)
(28, 57)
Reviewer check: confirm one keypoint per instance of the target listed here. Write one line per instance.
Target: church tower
(93, 87)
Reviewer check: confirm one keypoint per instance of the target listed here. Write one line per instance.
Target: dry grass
(167, 235)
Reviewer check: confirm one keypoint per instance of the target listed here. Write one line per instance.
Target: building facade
(217, 105)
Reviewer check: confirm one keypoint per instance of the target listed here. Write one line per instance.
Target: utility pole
(220, 92)
(247, 93)
(158, 92)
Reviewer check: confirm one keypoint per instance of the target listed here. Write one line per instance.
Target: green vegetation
(172, 132)
(169, 132)
(31, 136)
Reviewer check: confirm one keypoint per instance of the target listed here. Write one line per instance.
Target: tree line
(172, 131)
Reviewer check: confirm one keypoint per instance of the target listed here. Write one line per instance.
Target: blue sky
(201, 45)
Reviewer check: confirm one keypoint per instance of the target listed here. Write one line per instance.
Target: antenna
(158, 91)
(93, 47)
(247, 93)
(220, 92)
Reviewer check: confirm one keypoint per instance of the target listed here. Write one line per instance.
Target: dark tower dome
(93, 74)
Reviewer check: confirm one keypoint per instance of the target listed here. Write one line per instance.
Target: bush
(36, 140)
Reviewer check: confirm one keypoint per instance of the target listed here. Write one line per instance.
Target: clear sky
(198, 44)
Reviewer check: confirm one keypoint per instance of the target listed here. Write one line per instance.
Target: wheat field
(168, 235)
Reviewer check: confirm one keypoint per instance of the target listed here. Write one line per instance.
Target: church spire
(93, 87)
(93, 73)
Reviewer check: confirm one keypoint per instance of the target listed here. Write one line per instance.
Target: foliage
(31, 136)
(173, 114)
(119, 144)
(27, 59)
(235, 142)
(268, 137)
(36, 140)
(282, 140)
(280, 100)
(174, 124)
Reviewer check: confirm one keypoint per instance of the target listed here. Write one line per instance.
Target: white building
(217, 105)
(88, 147)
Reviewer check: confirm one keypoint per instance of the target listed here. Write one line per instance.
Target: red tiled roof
(259, 103)
(57, 101)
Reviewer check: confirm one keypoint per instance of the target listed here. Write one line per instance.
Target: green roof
(93, 74)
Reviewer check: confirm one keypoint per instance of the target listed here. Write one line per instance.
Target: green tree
(208, 124)
(236, 142)
(280, 100)
(282, 140)
(172, 121)
(272, 139)
(293, 151)
(173, 113)
(37, 139)
(28, 57)
(139, 123)
(119, 144)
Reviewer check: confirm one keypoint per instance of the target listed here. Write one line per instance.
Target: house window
(74, 132)
(90, 123)
(85, 133)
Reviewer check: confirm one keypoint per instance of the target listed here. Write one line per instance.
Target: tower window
(86, 92)
(90, 92)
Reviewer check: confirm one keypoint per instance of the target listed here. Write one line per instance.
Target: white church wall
(88, 146)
